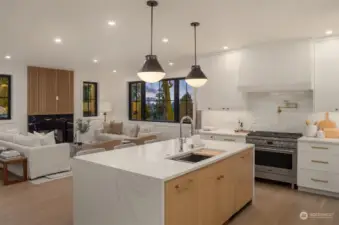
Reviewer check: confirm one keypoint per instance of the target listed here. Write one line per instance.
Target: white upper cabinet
(326, 90)
(221, 92)
(279, 66)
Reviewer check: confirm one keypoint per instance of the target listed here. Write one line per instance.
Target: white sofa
(42, 160)
(144, 131)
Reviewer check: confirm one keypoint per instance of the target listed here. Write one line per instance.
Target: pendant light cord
(195, 45)
(152, 30)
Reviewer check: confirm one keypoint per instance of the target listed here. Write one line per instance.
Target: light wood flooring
(51, 204)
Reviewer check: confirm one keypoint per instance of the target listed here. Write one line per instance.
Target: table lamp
(105, 107)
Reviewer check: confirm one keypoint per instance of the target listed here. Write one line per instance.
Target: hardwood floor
(51, 204)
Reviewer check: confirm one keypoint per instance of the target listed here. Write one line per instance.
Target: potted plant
(82, 127)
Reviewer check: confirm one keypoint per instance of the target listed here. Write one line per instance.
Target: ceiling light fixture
(8, 57)
(58, 40)
(95, 60)
(329, 32)
(111, 23)
(171, 64)
(165, 40)
(114, 71)
(225, 47)
(196, 78)
(151, 71)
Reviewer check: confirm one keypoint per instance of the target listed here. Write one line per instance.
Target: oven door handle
(262, 149)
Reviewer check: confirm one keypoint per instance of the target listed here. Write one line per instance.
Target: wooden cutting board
(327, 123)
(331, 132)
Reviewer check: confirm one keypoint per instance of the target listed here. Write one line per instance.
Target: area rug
(51, 177)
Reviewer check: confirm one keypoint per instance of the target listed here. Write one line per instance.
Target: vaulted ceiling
(28, 29)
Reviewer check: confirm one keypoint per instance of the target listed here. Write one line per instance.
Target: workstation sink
(197, 156)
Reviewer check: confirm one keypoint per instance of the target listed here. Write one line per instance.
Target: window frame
(176, 101)
(9, 77)
(89, 99)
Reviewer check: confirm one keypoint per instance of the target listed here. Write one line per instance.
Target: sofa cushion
(107, 127)
(117, 128)
(29, 141)
(45, 139)
(9, 137)
(131, 130)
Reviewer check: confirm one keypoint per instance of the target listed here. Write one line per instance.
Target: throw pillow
(29, 141)
(46, 139)
(131, 130)
(116, 128)
(107, 127)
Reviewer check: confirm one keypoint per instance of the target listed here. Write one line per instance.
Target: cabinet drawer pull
(226, 139)
(321, 181)
(321, 148)
(318, 161)
(220, 177)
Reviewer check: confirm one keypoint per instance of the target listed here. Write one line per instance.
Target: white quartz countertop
(319, 140)
(152, 159)
(223, 132)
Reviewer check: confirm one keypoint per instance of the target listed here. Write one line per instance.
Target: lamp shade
(152, 71)
(105, 107)
(196, 78)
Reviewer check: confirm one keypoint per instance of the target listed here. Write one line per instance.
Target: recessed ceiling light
(114, 71)
(58, 40)
(8, 57)
(170, 63)
(95, 60)
(329, 32)
(111, 23)
(165, 40)
(225, 47)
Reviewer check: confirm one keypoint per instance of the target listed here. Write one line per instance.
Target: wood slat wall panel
(45, 86)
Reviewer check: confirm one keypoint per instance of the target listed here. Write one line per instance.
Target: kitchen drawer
(319, 180)
(319, 147)
(230, 138)
(317, 160)
(207, 136)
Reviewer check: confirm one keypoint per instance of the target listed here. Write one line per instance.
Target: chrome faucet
(181, 137)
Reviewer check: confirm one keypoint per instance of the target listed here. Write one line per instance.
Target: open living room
(168, 112)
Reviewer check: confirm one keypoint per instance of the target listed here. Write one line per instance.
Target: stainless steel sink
(191, 157)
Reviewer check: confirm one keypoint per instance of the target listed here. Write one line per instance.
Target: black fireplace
(62, 125)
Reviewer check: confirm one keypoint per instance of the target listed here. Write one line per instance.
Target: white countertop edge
(319, 140)
(223, 132)
(208, 162)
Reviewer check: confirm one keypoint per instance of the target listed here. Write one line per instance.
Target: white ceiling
(28, 28)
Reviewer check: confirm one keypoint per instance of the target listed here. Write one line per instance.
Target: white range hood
(277, 67)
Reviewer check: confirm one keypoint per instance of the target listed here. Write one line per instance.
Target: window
(165, 101)
(5, 97)
(90, 99)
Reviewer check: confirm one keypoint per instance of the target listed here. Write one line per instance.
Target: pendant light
(196, 78)
(152, 71)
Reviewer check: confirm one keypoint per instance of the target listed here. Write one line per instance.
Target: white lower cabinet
(230, 138)
(318, 167)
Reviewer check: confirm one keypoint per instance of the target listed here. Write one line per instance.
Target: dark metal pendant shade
(196, 73)
(151, 71)
(152, 65)
(196, 78)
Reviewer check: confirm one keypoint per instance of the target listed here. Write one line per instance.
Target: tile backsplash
(262, 113)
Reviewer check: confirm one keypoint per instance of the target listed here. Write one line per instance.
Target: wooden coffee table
(17, 160)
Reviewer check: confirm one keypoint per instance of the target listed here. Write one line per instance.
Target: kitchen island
(154, 184)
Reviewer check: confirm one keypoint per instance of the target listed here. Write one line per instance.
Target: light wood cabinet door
(244, 184)
(65, 92)
(225, 190)
(33, 90)
(47, 91)
(181, 202)
(208, 196)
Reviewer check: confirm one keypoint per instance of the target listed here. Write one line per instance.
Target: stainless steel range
(275, 155)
